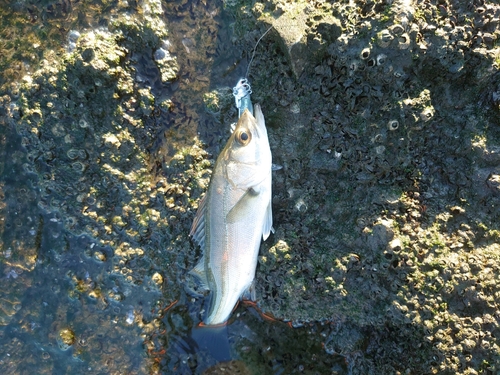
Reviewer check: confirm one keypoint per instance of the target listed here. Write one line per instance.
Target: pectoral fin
(243, 206)
(268, 222)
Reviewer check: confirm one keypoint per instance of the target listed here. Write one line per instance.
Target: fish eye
(243, 137)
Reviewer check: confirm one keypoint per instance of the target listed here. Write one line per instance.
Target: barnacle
(78, 167)
(403, 41)
(393, 125)
(384, 38)
(427, 114)
(381, 59)
(371, 62)
(160, 54)
(354, 65)
(157, 278)
(295, 108)
(83, 123)
(365, 53)
(99, 256)
(72, 154)
(397, 29)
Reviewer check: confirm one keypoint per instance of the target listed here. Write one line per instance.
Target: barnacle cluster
(219, 102)
(88, 158)
(385, 255)
(20, 227)
(88, 127)
(388, 162)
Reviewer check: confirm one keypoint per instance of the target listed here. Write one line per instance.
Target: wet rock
(484, 181)
(494, 183)
(304, 34)
(232, 367)
(491, 155)
(379, 235)
(325, 161)
(425, 284)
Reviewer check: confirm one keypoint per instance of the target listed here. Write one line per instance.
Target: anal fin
(199, 273)
(249, 294)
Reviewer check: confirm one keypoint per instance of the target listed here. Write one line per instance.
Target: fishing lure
(242, 92)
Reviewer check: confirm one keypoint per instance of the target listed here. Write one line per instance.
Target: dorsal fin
(198, 227)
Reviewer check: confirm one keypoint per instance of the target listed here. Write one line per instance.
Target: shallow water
(67, 304)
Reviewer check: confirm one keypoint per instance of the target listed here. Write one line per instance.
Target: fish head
(247, 155)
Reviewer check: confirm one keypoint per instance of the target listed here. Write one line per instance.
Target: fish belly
(234, 250)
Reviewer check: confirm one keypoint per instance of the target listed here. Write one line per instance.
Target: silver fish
(234, 215)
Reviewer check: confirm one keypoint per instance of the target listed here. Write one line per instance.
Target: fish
(233, 216)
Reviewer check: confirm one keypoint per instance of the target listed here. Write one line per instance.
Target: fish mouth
(247, 120)
(254, 122)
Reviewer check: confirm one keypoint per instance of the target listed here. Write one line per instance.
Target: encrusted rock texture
(384, 117)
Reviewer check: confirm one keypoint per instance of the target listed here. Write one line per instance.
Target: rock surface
(384, 118)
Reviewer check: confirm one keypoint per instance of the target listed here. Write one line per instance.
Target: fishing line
(242, 90)
(255, 48)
